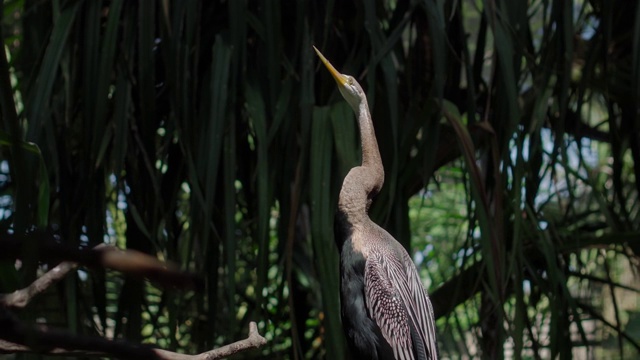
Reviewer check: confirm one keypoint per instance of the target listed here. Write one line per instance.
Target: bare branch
(20, 298)
(139, 264)
(7, 347)
(127, 261)
(15, 337)
(130, 262)
(255, 340)
(42, 339)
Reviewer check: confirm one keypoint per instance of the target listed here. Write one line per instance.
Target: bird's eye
(350, 80)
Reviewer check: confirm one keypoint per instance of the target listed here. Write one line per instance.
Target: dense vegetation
(206, 134)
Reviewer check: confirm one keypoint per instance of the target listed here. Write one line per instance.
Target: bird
(386, 312)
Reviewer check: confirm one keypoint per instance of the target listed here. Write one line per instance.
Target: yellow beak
(340, 79)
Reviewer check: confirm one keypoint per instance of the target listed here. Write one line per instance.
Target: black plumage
(386, 313)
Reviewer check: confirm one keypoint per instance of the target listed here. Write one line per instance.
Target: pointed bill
(340, 79)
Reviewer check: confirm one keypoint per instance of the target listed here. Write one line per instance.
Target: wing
(419, 307)
(385, 305)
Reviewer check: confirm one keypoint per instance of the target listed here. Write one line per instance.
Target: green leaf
(36, 106)
(322, 209)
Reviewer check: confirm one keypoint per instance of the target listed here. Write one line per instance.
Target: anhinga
(386, 312)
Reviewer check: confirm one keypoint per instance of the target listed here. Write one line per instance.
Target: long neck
(362, 183)
(370, 152)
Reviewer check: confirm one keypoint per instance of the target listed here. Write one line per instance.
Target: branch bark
(253, 341)
(20, 298)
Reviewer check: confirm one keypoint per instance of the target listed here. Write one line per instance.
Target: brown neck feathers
(363, 182)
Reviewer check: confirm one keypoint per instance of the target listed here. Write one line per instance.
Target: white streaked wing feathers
(386, 307)
(420, 305)
(395, 296)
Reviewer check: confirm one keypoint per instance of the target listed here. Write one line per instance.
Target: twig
(20, 298)
(253, 341)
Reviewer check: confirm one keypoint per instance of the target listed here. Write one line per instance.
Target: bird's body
(386, 313)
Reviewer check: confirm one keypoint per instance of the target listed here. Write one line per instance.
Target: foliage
(205, 133)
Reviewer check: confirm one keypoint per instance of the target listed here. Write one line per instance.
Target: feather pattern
(398, 303)
(420, 307)
(385, 306)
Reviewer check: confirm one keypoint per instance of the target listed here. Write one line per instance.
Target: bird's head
(348, 86)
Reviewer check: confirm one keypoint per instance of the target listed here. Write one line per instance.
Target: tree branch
(130, 262)
(15, 337)
(253, 341)
(20, 298)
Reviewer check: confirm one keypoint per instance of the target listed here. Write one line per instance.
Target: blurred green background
(207, 134)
